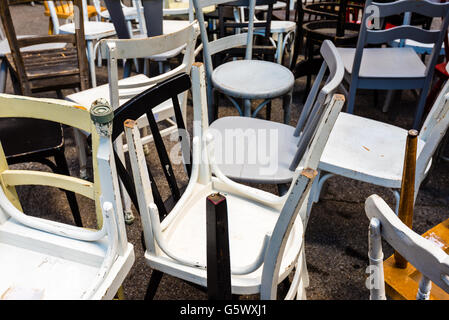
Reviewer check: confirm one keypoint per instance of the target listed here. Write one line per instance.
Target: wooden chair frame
(422, 253)
(80, 80)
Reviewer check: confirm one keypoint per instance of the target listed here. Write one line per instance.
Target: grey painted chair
(262, 151)
(425, 254)
(394, 68)
(242, 79)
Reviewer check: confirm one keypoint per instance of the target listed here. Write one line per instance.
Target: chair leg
(420, 107)
(286, 104)
(155, 279)
(126, 200)
(247, 107)
(351, 100)
(388, 99)
(433, 94)
(91, 60)
(268, 111)
(3, 75)
(80, 142)
(375, 255)
(216, 101)
(61, 164)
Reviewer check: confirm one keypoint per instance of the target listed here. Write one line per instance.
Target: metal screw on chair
(102, 114)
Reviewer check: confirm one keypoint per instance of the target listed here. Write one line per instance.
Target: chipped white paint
(426, 256)
(43, 259)
(261, 256)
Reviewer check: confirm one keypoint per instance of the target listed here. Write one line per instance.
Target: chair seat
(92, 29)
(384, 63)
(5, 49)
(64, 12)
(327, 29)
(278, 26)
(254, 159)
(277, 5)
(39, 265)
(253, 79)
(170, 26)
(59, 64)
(366, 150)
(20, 136)
(130, 13)
(419, 47)
(186, 237)
(282, 26)
(86, 97)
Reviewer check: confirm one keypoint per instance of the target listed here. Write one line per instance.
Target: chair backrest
(117, 16)
(176, 8)
(213, 47)
(240, 20)
(426, 256)
(16, 44)
(433, 130)
(339, 11)
(298, 199)
(142, 104)
(318, 99)
(119, 49)
(103, 189)
(375, 11)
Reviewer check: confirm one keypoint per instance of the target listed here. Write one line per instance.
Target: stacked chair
(43, 259)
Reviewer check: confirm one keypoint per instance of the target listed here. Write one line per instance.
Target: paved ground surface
(336, 237)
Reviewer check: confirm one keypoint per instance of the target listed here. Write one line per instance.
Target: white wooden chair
(93, 31)
(120, 91)
(242, 79)
(265, 231)
(426, 256)
(371, 151)
(132, 13)
(267, 151)
(43, 259)
(282, 31)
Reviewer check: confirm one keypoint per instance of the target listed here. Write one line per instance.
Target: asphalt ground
(336, 239)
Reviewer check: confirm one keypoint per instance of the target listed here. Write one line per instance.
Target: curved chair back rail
(117, 49)
(141, 105)
(57, 111)
(433, 130)
(317, 101)
(422, 253)
(69, 244)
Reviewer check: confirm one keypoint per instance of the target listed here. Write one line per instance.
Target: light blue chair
(397, 68)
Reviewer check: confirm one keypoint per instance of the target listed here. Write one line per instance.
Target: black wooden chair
(328, 20)
(133, 110)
